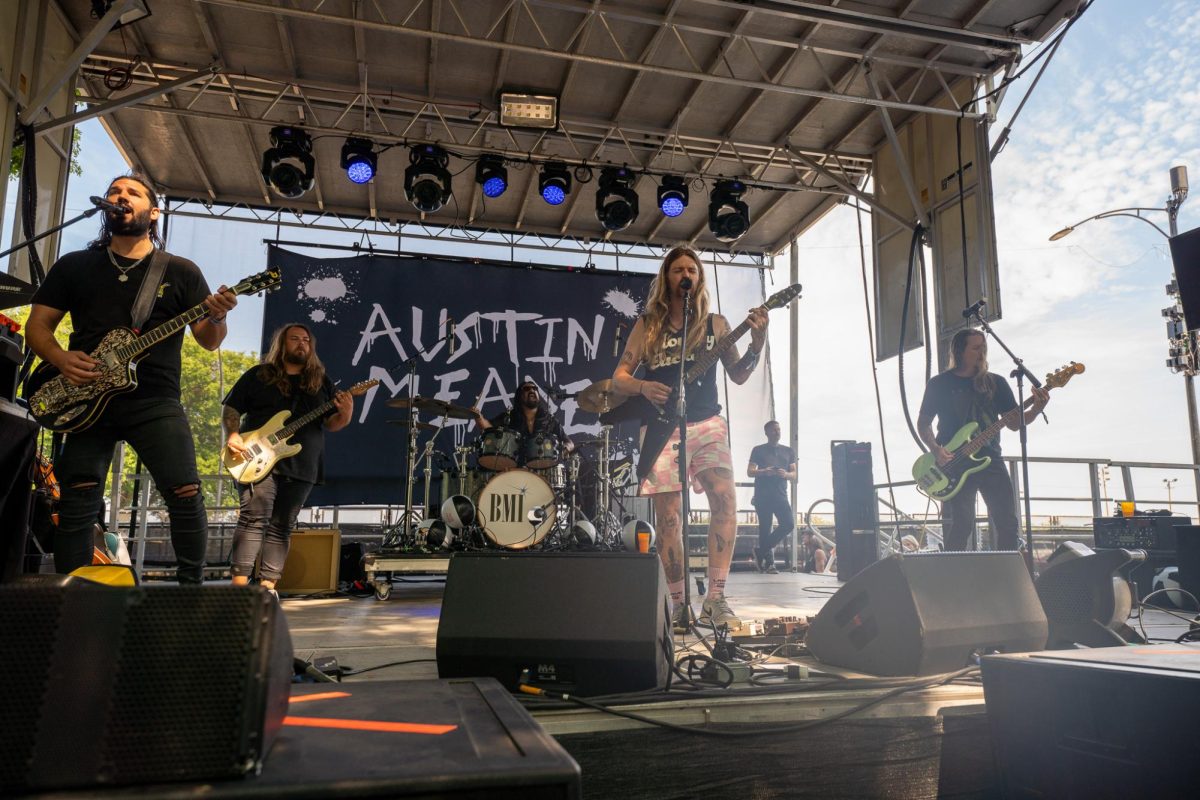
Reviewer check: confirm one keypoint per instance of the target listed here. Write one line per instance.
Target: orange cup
(1127, 508)
(643, 541)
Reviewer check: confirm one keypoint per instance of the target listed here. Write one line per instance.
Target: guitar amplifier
(1152, 533)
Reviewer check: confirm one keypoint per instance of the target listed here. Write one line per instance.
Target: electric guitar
(59, 405)
(942, 481)
(267, 445)
(660, 422)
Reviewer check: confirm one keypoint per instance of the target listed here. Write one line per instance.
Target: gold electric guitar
(942, 481)
(266, 446)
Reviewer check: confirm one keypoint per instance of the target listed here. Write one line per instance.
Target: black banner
(374, 315)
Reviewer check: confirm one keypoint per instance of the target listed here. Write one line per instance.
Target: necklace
(124, 276)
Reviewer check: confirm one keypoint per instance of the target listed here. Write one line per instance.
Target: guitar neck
(295, 425)
(985, 436)
(164, 331)
(704, 362)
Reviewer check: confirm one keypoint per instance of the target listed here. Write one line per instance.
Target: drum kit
(505, 490)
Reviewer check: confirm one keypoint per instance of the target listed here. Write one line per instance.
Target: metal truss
(998, 45)
(472, 240)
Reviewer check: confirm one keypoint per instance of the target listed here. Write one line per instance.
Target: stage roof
(788, 96)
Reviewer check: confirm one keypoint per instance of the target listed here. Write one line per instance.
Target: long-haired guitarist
(654, 343)
(98, 287)
(290, 378)
(966, 392)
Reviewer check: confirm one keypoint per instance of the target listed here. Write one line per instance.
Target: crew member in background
(773, 467)
(291, 378)
(655, 343)
(98, 287)
(967, 392)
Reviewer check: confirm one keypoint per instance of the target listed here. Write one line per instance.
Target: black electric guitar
(59, 405)
(660, 420)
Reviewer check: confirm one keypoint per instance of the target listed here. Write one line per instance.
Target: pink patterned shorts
(707, 448)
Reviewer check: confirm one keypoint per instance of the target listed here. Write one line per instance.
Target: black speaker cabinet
(922, 614)
(584, 623)
(1185, 254)
(1187, 544)
(855, 513)
(117, 686)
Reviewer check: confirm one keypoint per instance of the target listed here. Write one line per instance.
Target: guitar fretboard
(283, 433)
(166, 330)
(704, 362)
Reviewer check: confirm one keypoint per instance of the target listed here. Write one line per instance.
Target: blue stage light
(494, 187)
(554, 195)
(554, 183)
(359, 159)
(672, 195)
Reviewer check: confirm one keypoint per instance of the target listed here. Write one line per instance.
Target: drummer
(528, 417)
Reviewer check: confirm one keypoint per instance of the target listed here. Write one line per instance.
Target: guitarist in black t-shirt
(655, 343)
(291, 378)
(97, 287)
(967, 392)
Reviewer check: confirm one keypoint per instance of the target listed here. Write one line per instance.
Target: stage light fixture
(728, 216)
(138, 12)
(288, 164)
(554, 183)
(616, 201)
(426, 180)
(492, 175)
(528, 110)
(359, 159)
(672, 195)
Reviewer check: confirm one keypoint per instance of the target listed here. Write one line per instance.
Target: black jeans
(157, 428)
(268, 516)
(994, 483)
(768, 506)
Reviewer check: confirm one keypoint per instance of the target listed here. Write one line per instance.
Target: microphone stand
(684, 503)
(90, 212)
(1020, 372)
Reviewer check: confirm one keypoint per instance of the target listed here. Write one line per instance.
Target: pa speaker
(118, 686)
(927, 613)
(1185, 254)
(584, 623)
(855, 516)
(313, 561)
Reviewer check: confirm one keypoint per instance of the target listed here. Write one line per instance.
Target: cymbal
(600, 397)
(434, 406)
(421, 426)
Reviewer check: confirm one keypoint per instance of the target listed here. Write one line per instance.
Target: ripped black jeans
(158, 430)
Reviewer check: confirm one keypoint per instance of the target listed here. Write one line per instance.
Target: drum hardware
(404, 423)
(439, 408)
(601, 397)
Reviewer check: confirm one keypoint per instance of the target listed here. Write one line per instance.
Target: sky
(1117, 107)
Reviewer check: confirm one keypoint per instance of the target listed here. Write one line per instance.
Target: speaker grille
(196, 724)
(28, 621)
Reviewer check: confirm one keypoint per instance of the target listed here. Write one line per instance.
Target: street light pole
(1169, 482)
(1184, 356)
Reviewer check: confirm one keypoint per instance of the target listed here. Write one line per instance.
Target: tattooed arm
(231, 425)
(635, 352)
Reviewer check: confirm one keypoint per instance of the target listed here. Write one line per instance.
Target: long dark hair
(982, 380)
(312, 374)
(105, 238)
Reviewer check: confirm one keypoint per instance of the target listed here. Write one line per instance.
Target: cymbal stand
(461, 454)
(413, 433)
(429, 464)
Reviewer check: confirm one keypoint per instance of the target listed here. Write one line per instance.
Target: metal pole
(793, 394)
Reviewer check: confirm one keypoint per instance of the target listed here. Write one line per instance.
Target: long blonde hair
(982, 381)
(658, 306)
(312, 374)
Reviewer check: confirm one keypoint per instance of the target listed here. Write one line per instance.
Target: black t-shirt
(257, 402)
(702, 400)
(86, 285)
(771, 455)
(955, 402)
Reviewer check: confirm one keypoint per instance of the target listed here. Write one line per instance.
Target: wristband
(216, 321)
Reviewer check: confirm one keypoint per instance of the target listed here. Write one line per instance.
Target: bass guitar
(942, 481)
(59, 405)
(266, 446)
(659, 421)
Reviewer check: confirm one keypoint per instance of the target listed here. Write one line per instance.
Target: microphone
(617, 340)
(975, 309)
(450, 334)
(685, 285)
(558, 394)
(112, 208)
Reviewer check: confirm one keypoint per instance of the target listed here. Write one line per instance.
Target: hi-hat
(440, 408)
(421, 426)
(600, 397)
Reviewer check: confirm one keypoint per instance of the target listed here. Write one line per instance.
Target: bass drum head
(504, 506)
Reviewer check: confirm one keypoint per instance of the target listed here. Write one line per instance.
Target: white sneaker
(716, 612)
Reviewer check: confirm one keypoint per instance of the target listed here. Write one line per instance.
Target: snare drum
(505, 506)
(541, 451)
(498, 449)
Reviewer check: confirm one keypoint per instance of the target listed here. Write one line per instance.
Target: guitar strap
(149, 289)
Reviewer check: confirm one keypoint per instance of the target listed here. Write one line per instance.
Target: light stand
(1020, 372)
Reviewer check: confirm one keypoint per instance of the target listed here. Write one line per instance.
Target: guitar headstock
(1063, 374)
(362, 386)
(783, 296)
(263, 281)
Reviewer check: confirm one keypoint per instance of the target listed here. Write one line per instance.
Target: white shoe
(716, 612)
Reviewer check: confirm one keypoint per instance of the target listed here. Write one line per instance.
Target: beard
(295, 360)
(136, 224)
(530, 402)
